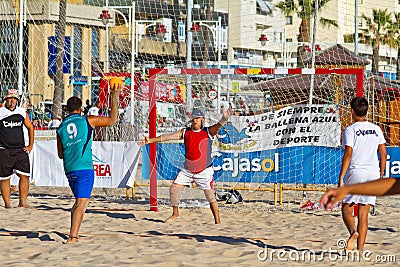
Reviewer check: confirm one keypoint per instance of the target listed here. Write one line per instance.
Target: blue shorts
(81, 182)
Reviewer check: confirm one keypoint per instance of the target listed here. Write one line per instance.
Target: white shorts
(204, 180)
(356, 178)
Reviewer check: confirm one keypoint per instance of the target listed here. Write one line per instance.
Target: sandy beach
(119, 232)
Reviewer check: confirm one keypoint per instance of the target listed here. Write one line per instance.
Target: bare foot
(26, 206)
(171, 219)
(351, 242)
(7, 206)
(72, 239)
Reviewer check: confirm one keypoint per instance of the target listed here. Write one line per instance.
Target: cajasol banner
(310, 165)
(298, 144)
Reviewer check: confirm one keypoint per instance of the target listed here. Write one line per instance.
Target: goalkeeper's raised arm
(162, 138)
(213, 130)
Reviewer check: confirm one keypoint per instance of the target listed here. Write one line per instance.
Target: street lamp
(131, 24)
(292, 50)
(106, 18)
(308, 49)
(217, 34)
(263, 40)
(160, 31)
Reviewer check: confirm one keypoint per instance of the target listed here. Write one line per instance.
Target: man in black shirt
(14, 154)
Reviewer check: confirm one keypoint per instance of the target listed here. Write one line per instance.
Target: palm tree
(305, 10)
(395, 33)
(376, 33)
(58, 95)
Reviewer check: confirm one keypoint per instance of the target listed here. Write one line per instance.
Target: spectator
(14, 153)
(94, 110)
(87, 107)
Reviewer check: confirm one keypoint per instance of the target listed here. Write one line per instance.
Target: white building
(248, 19)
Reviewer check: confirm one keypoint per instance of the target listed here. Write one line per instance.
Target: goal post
(357, 87)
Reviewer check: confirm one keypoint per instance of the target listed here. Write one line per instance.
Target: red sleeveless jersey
(198, 146)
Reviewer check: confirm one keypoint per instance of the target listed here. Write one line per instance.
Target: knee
(363, 215)
(81, 202)
(210, 196)
(347, 212)
(23, 178)
(174, 188)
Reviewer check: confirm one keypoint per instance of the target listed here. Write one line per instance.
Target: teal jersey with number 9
(75, 134)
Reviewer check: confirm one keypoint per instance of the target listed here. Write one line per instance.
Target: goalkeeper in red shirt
(198, 166)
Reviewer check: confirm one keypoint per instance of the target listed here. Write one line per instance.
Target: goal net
(52, 50)
(282, 141)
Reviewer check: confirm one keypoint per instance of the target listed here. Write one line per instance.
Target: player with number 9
(74, 146)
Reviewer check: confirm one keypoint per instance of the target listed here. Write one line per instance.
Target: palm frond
(328, 22)
(288, 7)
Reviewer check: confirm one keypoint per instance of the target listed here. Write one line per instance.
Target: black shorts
(13, 159)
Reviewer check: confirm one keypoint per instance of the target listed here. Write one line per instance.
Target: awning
(265, 6)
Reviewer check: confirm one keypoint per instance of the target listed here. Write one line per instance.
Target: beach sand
(119, 232)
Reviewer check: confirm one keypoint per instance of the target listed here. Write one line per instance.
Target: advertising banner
(115, 164)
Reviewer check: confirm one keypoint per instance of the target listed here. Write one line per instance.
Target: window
(181, 32)
(224, 37)
(52, 50)
(289, 20)
(95, 85)
(95, 45)
(7, 40)
(77, 57)
(97, 66)
(77, 60)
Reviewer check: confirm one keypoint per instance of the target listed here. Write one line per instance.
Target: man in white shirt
(360, 163)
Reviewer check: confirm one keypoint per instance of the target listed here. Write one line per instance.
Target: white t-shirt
(93, 111)
(364, 138)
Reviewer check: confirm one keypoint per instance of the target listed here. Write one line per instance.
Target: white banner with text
(115, 164)
(299, 125)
